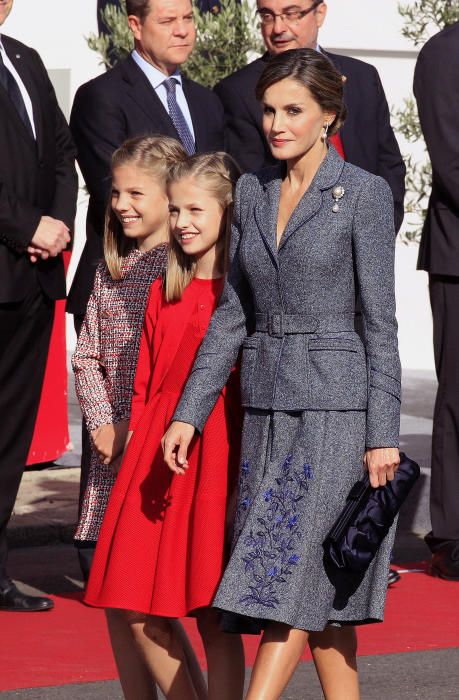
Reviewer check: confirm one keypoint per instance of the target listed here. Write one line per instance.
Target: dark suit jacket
(109, 109)
(438, 106)
(36, 178)
(367, 136)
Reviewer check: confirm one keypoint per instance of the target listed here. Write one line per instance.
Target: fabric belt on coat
(277, 324)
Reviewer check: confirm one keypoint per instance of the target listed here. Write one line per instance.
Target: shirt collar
(155, 76)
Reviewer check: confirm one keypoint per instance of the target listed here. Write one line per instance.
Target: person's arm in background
(436, 88)
(98, 128)
(391, 165)
(64, 203)
(26, 228)
(243, 139)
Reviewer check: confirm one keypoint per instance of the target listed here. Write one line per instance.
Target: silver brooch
(337, 194)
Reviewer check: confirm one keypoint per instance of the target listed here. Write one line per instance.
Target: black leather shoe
(12, 600)
(445, 558)
(445, 563)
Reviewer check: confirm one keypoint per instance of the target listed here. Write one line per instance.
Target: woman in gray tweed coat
(310, 235)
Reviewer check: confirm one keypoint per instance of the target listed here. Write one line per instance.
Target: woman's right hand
(175, 446)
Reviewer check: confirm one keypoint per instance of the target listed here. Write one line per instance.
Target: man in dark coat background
(38, 192)
(367, 137)
(436, 87)
(131, 100)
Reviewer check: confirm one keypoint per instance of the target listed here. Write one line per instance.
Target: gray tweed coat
(315, 393)
(298, 304)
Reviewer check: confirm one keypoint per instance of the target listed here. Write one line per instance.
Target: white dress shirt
(21, 86)
(156, 79)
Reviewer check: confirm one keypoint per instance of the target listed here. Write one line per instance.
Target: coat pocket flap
(347, 344)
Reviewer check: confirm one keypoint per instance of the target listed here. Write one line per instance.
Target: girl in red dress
(162, 547)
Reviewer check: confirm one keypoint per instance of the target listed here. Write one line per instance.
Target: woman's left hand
(382, 463)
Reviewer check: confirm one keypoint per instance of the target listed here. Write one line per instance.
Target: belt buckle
(275, 325)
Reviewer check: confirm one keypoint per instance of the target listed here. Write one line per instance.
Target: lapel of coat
(349, 132)
(141, 91)
(326, 177)
(19, 63)
(266, 210)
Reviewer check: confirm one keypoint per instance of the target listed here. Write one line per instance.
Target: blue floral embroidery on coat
(271, 552)
(244, 496)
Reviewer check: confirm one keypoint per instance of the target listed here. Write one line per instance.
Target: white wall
(367, 29)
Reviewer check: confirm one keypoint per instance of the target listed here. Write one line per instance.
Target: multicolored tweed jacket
(105, 361)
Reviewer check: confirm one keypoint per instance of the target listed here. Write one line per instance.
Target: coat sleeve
(374, 253)
(66, 179)
(243, 139)
(438, 106)
(227, 330)
(144, 369)
(98, 128)
(19, 219)
(391, 165)
(88, 368)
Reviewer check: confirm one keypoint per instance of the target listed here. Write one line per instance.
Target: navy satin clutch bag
(367, 517)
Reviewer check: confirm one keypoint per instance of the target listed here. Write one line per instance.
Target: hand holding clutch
(367, 517)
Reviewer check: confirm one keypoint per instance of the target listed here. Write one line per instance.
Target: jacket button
(202, 307)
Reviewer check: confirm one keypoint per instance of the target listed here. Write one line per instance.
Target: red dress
(162, 544)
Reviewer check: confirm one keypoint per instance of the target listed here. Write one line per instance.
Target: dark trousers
(444, 495)
(85, 549)
(25, 332)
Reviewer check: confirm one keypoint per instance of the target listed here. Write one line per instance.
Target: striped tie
(177, 117)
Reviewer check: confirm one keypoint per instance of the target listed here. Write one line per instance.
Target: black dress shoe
(445, 557)
(12, 600)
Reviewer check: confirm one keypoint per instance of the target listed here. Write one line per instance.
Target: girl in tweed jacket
(135, 248)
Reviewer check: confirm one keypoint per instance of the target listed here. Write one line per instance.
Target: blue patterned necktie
(11, 87)
(177, 117)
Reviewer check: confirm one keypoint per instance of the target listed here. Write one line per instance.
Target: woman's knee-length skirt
(296, 472)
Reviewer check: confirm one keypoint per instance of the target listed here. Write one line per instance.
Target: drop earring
(325, 134)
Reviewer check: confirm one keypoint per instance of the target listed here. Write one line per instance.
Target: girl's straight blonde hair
(155, 155)
(217, 173)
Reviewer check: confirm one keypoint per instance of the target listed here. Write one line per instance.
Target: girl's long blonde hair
(217, 173)
(155, 155)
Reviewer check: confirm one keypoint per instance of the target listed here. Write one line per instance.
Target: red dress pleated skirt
(164, 539)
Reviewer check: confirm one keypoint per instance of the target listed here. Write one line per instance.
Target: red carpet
(70, 644)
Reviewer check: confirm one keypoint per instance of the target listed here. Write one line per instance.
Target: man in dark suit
(131, 100)
(438, 105)
(366, 138)
(38, 191)
(145, 94)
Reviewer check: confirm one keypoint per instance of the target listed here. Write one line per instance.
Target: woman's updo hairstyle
(313, 70)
